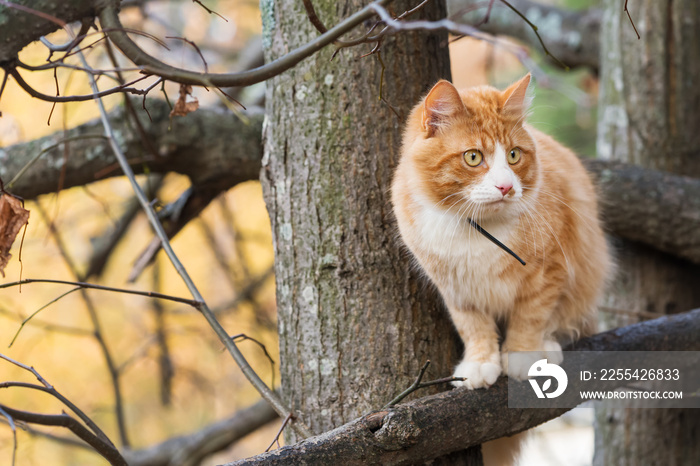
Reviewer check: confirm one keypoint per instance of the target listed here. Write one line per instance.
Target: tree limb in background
(189, 450)
(656, 208)
(436, 425)
(210, 146)
(571, 36)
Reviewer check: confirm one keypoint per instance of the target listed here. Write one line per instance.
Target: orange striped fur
(548, 217)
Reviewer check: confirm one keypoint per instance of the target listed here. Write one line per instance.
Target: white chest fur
(464, 264)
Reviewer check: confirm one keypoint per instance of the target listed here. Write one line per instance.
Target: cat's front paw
(517, 364)
(478, 374)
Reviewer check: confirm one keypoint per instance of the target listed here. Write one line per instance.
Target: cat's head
(470, 151)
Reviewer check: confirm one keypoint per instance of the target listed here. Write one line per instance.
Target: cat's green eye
(473, 157)
(514, 155)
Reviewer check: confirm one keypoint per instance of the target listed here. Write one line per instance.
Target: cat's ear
(516, 99)
(442, 103)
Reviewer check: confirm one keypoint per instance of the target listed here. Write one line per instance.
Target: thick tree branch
(190, 450)
(571, 36)
(436, 425)
(652, 207)
(213, 147)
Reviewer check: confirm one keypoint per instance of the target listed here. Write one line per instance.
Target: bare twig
(94, 286)
(4, 82)
(534, 29)
(417, 385)
(487, 16)
(279, 432)
(376, 39)
(243, 337)
(209, 10)
(85, 25)
(199, 52)
(381, 86)
(31, 316)
(77, 98)
(68, 441)
(569, 40)
(313, 17)
(50, 327)
(632, 22)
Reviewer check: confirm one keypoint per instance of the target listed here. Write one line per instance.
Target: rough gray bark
(355, 323)
(650, 115)
(416, 432)
(570, 36)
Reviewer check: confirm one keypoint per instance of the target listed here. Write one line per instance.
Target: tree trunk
(356, 323)
(649, 106)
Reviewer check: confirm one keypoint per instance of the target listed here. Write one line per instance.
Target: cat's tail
(503, 451)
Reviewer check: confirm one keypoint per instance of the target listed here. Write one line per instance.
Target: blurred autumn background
(174, 374)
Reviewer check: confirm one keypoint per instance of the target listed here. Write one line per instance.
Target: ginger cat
(470, 155)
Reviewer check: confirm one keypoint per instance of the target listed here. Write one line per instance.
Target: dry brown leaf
(13, 216)
(182, 106)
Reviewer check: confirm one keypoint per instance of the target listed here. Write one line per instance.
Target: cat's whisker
(537, 223)
(587, 220)
(551, 230)
(446, 198)
(518, 124)
(456, 224)
(523, 217)
(444, 216)
(531, 217)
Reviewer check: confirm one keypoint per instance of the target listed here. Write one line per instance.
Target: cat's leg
(481, 365)
(529, 330)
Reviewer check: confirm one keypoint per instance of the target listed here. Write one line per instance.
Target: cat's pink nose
(505, 188)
